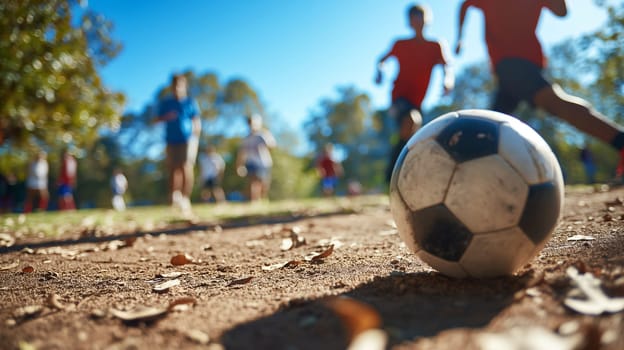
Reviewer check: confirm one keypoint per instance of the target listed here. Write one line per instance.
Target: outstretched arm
(460, 27)
(558, 7)
(380, 63)
(449, 75)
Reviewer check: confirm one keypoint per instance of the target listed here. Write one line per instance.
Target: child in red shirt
(329, 170)
(416, 57)
(517, 60)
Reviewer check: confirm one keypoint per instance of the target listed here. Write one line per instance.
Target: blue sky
(293, 52)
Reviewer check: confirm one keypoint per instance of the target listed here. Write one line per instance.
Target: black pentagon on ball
(469, 138)
(440, 233)
(541, 211)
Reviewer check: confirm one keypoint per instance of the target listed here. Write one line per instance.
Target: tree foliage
(50, 89)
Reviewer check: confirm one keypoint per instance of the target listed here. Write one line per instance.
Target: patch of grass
(91, 221)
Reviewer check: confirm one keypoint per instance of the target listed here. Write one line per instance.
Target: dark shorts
(211, 183)
(258, 172)
(329, 183)
(518, 80)
(64, 190)
(401, 108)
(177, 155)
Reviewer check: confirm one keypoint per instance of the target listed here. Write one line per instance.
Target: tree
(357, 131)
(50, 88)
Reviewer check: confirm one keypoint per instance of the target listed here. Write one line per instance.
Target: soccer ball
(476, 193)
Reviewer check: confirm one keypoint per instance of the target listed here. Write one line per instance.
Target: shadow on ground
(179, 227)
(410, 306)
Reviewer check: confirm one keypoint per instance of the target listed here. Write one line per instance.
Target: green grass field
(54, 224)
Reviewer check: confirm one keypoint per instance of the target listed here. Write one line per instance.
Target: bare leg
(577, 112)
(187, 180)
(175, 181)
(219, 195)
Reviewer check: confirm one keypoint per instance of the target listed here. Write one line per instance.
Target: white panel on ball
(425, 175)
(525, 150)
(432, 129)
(497, 253)
(486, 194)
(402, 218)
(448, 268)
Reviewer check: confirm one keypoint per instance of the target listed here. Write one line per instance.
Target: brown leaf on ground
(616, 202)
(320, 256)
(181, 259)
(182, 301)
(290, 263)
(129, 242)
(356, 316)
(240, 281)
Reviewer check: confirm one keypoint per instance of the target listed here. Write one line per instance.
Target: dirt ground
(258, 287)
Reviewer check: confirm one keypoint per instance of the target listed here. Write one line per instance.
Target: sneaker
(177, 199)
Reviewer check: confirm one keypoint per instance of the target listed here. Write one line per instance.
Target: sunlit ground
(148, 218)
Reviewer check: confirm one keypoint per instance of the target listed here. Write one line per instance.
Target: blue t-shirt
(179, 129)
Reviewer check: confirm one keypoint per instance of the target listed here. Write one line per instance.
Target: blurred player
(119, 185)
(329, 169)
(517, 60)
(183, 126)
(67, 181)
(254, 159)
(212, 167)
(416, 56)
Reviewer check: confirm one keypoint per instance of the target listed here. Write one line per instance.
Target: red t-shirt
(327, 166)
(510, 29)
(416, 58)
(68, 171)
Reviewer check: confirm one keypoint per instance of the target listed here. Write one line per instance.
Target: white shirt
(210, 165)
(119, 183)
(38, 175)
(256, 146)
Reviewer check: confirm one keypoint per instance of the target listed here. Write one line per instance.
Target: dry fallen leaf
(172, 274)
(356, 316)
(198, 336)
(28, 311)
(141, 313)
(314, 257)
(389, 232)
(54, 302)
(240, 281)
(9, 266)
(581, 238)
(290, 263)
(287, 244)
(129, 242)
(181, 301)
(528, 337)
(181, 259)
(596, 301)
(6, 240)
(165, 286)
